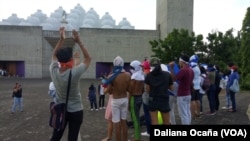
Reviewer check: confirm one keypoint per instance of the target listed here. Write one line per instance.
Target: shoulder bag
(58, 111)
(235, 86)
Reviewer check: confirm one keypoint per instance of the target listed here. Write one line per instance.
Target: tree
(222, 48)
(245, 51)
(176, 43)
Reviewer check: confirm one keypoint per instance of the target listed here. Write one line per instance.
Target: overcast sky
(209, 15)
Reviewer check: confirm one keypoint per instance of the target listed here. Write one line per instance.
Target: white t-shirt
(101, 90)
(196, 80)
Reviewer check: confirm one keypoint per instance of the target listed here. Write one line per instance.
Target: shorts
(195, 95)
(159, 104)
(119, 109)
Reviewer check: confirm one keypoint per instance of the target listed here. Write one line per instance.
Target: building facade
(26, 51)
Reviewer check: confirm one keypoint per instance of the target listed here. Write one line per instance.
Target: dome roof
(47, 26)
(4, 22)
(77, 17)
(90, 22)
(59, 10)
(80, 9)
(25, 23)
(92, 13)
(124, 22)
(107, 26)
(87, 26)
(39, 14)
(56, 15)
(14, 20)
(33, 20)
(107, 20)
(106, 16)
(73, 21)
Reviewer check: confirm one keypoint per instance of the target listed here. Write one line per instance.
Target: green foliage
(245, 52)
(177, 42)
(219, 49)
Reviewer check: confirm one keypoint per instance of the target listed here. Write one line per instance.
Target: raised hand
(76, 36)
(62, 33)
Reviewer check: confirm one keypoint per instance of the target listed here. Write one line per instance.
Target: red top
(185, 79)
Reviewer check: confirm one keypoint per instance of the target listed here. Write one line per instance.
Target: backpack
(206, 83)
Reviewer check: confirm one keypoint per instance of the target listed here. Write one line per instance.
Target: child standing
(92, 97)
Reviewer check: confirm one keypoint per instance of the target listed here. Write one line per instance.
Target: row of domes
(75, 19)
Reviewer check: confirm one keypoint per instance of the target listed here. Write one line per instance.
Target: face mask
(152, 68)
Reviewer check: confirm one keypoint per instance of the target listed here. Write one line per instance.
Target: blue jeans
(147, 117)
(211, 98)
(201, 99)
(183, 104)
(18, 101)
(232, 97)
(228, 99)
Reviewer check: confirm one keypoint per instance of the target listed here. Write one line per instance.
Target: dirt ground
(32, 124)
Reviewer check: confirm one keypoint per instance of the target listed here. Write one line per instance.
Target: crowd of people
(150, 85)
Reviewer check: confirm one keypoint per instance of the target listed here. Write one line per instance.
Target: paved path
(32, 124)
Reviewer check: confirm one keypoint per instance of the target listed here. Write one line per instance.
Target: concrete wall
(105, 44)
(22, 43)
(172, 14)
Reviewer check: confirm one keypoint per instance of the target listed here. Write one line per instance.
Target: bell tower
(172, 14)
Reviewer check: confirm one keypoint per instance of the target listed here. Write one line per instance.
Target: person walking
(62, 64)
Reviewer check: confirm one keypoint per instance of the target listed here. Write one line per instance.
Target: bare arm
(59, 43)
(87, 58)
(77, 58)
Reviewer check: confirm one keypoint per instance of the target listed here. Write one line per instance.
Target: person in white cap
(118, 84)
(136, 87)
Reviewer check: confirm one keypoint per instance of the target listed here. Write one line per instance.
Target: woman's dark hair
(64, 54)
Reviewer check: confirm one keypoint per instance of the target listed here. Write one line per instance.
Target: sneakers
(145, 134)
(91, 109)
(103, 107)
(226, 108)
(96, 109)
